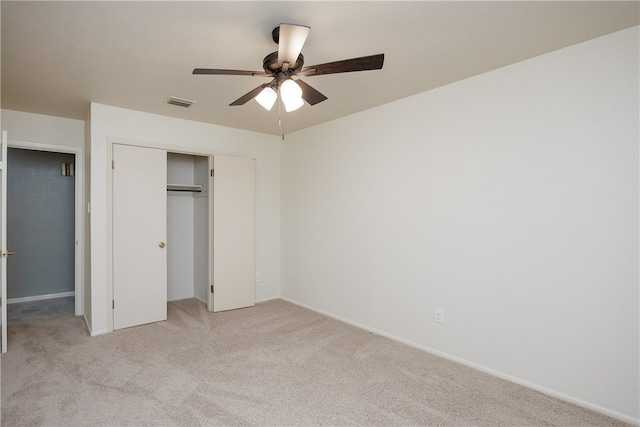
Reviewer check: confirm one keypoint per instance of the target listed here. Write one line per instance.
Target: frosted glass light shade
(267, 98)
(291, 95)
(289, 90)
(293, 104)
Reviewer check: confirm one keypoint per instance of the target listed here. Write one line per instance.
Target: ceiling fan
(288, 62)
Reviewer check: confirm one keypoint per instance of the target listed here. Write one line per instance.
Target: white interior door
(3, 236)
(234, 229)
(139, 235)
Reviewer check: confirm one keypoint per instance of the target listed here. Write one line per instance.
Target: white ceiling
(59, 56)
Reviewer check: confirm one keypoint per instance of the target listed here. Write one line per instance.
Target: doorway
(40, 225)
(71, 159)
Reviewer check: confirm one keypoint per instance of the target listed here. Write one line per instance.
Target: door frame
(3, 238)
(144, 144)
(78, 209)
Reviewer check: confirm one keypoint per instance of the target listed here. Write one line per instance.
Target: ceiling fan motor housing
(270, 63)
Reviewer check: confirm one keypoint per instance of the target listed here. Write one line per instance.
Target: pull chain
(280, 117)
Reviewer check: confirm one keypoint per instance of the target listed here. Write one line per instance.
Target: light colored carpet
(270, 365)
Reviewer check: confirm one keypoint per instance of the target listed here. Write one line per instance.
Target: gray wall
(40, 224)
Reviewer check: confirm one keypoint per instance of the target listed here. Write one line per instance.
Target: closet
(187, 226)
(183, 227)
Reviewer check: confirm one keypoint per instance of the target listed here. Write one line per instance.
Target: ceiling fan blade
(291, 40)
(309, 94)
(249, 96)
(373, 62)
(230, 72)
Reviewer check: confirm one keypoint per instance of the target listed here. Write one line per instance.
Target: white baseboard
(533, 386)
(258, 301)
(101, 332)
(40, 297)
(84, 316)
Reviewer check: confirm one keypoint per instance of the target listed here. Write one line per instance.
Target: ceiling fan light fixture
(291, 94)
(267, 98)
(293, 104)
(290, 90)
(288, 62)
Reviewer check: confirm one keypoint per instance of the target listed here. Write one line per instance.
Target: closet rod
(182, 187)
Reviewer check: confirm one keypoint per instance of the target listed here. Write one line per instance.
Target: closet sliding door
(139, 235)
(234, 229)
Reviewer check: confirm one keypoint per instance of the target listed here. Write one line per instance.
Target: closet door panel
(139, 235)
(233, 232)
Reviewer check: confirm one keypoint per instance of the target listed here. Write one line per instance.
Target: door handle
(5, 254)
(162, 245)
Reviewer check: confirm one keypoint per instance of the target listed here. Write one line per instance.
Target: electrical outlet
(439, 315)
(257, 276)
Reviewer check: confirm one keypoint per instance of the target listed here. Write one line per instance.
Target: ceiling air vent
(180, 102)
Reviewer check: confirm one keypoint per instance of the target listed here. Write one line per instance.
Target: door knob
(5, 254)
(162, 245)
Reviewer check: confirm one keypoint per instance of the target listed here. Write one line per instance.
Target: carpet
(275, 364)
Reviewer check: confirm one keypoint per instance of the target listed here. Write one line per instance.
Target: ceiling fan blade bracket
(307, 71)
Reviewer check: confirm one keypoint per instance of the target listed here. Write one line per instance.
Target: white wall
(107, 121)
(41, 129)
(509, 200)
(29, 127)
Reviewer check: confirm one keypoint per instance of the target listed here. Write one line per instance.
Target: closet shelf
(194, 188)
